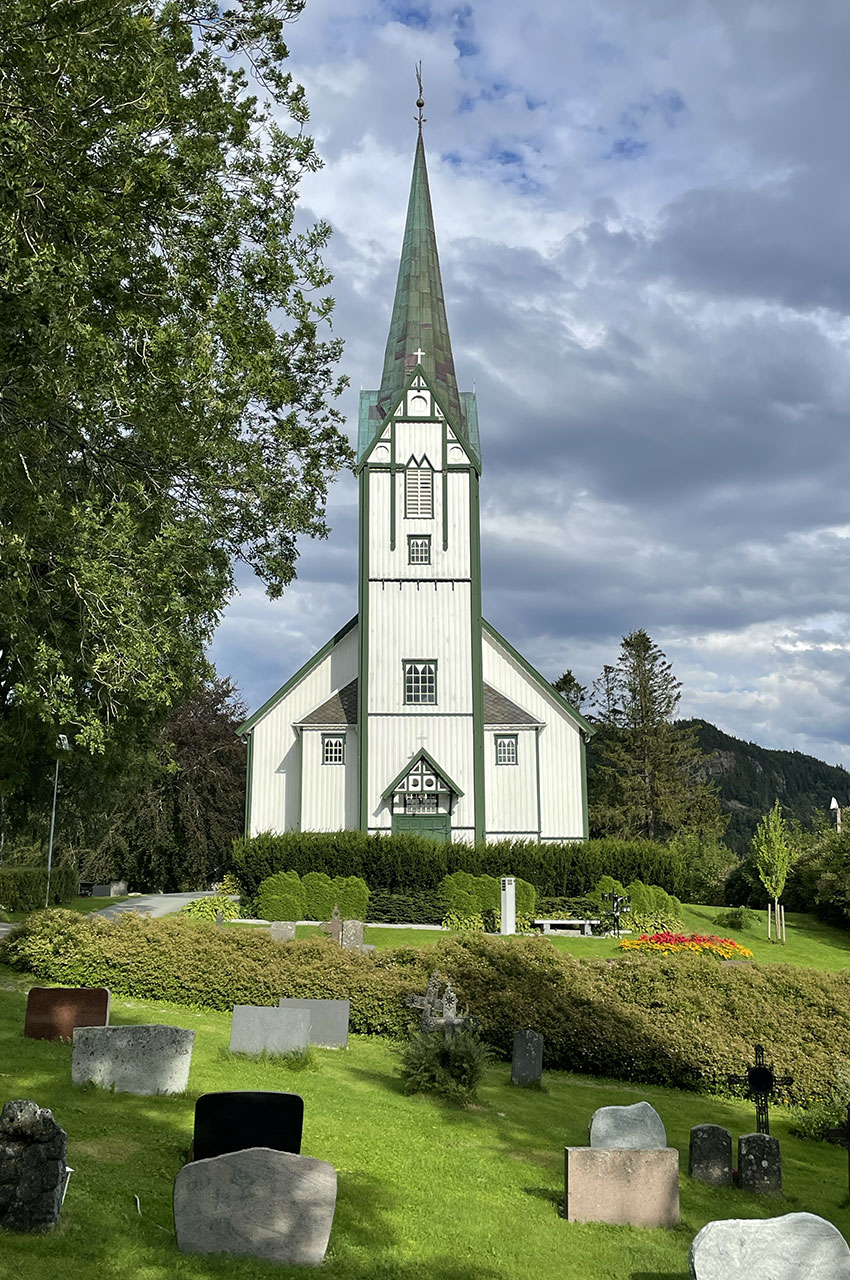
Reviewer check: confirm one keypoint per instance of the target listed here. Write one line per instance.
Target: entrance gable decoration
(444, 782)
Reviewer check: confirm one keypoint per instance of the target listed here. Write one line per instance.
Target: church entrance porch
(420, 799)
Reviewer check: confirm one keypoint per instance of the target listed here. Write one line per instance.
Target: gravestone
(527, 1060)
(793, 1247)
(352, 935)
(710, 1155)
(759, 1163)
(33, 1173)
(260, 1029)
(438, 1012)
(141, 1059)
(238, 1119)
(283, 930)
(333, 927)
(625, 1187)
(54, 1012)
(841, 1135)
(638, 1127)
(761, 1082)
(258, 1203)
(328, 1020)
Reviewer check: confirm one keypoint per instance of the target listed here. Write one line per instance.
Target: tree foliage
(773, 852)
(165, 391)
(571, 688)
(644, 775)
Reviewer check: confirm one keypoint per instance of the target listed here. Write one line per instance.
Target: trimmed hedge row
(680, 1020)
(404, 863)
(424, 907)
(24, 888)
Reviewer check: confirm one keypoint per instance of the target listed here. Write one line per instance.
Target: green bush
(319, 896)
(280, 897)
(738, 918)
(450, 1068)
(404, 863)
(352, 897)
(465, 894)
(464, 921)
(423, 907)
(211, 908)
(24, 888)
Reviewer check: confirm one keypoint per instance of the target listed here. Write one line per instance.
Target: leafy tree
(645, 778)
(571, 688)
(773, 854)
(165, 391)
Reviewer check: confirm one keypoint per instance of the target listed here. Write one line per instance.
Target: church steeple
(419, 330)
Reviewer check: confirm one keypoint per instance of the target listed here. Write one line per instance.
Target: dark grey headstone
(33, 1172)
(328, 1020)
(710, 1155)
(527, 1060)
(759, 1163)
(258, 1203)
(266, 1029)
(239, 1119)
(638, 1127)
(792, 1247)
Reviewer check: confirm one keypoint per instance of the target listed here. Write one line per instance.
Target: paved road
(154, 904)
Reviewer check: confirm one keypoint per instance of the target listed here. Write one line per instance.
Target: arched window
(419, 490)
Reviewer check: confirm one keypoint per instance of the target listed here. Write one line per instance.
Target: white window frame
(506, 746)
(330, 754)
(420, 682)
(418, 538)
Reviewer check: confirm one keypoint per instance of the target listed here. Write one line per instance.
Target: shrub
(319, 896)
(281, 897)
(739, 918)
(464, 922)
(423, 907)
(211, 908)
(451, 1068)
(24, 888)
(352, 897)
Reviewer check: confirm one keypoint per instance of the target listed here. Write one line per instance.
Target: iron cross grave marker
(761, 1082)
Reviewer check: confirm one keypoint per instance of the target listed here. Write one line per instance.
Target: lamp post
(836, 809)
(62, 744)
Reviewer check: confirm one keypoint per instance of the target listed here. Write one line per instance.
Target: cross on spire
(419, 353)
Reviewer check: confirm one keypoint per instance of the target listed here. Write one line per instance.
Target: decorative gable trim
(422, 754)
(418, 372)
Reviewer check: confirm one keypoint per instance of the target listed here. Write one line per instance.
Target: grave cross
(761, 1081)
(438, 1013)
(841, 1135)
(333, 926)
(618, 904)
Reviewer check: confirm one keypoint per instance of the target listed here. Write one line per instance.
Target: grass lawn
(425, 1190)
(83, 905)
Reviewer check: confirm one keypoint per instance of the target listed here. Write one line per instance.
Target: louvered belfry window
(418, 491)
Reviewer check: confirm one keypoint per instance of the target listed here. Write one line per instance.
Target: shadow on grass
(660, 1275)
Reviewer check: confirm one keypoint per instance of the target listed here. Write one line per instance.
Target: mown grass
(83, 905)
(425, 1190)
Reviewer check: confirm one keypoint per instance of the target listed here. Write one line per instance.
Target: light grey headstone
(283, 930)
(328, 1020)
(792, 1247)
(144, 1059)
(710, 1155)
(259, 1203)
(527, 1060)
(638, 1127)
(256, 1029)
(759, 1163)
(352, 935)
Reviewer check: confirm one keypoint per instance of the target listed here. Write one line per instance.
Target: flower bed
(725, 948)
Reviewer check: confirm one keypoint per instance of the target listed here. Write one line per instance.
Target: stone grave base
(140, 1059)
(624, 1187)
(258, 1203)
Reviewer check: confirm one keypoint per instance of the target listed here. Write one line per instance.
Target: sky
(642, 217)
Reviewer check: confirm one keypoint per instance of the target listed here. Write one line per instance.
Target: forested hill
(749, 779)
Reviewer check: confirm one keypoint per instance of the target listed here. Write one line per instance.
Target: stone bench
(555, 926)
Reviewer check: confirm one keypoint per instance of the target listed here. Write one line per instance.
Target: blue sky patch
(627, 149)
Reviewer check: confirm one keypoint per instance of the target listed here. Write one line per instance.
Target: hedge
(683, 1021)
(24, 888)
(403, 863)
(423, 907)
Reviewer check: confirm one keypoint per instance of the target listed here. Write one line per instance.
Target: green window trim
(333, 748)
(506, 748)
(419, 548)
(423, 681)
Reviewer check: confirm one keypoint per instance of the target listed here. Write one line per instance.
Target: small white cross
(419, 354)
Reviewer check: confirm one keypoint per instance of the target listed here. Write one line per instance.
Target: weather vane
(420, 101)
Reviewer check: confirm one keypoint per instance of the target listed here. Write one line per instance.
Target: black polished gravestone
(242, 1118)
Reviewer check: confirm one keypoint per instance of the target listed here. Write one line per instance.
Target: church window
(418, 491)
(419, 549)
(420, 682)
(506, 749)
(333, 748)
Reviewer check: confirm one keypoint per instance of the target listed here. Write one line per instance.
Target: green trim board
(584, 809)
(249, 780)
(422, 754)
(537, 779)
(363, 658)
(299, 675)
(462, 437)
(300, 822)
(555, 698)
(477, 659)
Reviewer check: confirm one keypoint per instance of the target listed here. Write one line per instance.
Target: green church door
(432, 826)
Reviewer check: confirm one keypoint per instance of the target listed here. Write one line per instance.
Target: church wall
(394, 740)
(425, 621)
(328, 791)
(560, 744)
(276, 766)
(510, 790)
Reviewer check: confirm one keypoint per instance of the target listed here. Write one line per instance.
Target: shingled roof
(500, 710)
(341, 708)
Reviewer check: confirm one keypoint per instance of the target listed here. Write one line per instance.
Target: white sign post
(508, 905)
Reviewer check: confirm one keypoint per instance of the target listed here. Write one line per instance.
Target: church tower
(420, 683)
(418, 715)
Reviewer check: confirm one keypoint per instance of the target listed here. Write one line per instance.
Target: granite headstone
(261, 1029)
(53, 1013)
(138, 1059)
(759, 1163)
(328, 1020)
(258, 1203)
(238, 1119)
(638, 1127)
(710, 1155)
(33, 1173)
(624, 1186)
(283, 930)
(527, 1059)
(792, 1247)
(352, 935)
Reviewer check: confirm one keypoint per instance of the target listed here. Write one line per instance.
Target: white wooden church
(417, 715)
